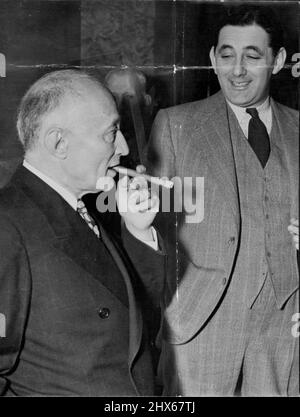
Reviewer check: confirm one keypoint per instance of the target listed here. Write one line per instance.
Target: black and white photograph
(149, 201)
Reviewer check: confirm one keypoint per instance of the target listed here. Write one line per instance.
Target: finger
(144, 206)
(121, 194)
(150, 205)
(293, 229)
(134, 206)
(138, 183)
(141, 169)
(123, 182)
(135, 199)
(139, 195)
(295, 222)
(154, 203)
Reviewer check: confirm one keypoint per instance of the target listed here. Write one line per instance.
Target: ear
(279, 61)
(213, 58)
(56, 143)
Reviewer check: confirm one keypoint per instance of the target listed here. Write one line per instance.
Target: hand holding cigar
(138, 206)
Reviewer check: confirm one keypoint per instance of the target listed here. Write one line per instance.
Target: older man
(73, 325)
(231, 302)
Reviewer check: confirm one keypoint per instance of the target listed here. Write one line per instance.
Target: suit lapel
(70, 232)
(84, 248)
(212, 136)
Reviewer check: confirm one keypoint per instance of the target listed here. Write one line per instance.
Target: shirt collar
(240, 112)
(65, 194)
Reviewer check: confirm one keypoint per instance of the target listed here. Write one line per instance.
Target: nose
(121, 144)
(239, 67)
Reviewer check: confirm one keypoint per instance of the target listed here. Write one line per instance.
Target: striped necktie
(87, 218)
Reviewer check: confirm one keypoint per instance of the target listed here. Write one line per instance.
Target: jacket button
(231, 240)
(104, 313)
(224, 280)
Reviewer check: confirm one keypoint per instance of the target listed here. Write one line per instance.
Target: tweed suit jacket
(193, 140)
(74, 326)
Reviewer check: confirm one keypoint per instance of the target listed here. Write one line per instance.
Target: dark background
(41, 36)
(34, 35)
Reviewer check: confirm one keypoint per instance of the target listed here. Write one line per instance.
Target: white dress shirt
(264, 112)
(71, 199)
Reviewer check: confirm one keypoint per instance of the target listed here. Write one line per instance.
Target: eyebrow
(221, 49)
(113, 124)
(247, 48)
(254, 48)
(115, 121)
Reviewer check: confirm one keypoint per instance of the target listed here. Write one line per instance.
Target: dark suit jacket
(73, 324)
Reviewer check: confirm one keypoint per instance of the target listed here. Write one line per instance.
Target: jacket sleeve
(14, 297)
(149, 264)
(150, 267)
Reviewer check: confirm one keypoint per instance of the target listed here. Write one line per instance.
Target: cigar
(155, 180)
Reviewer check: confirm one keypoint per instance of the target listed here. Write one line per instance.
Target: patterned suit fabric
(228, 305)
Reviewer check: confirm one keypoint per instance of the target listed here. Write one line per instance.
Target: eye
(110, 136)
(227, 57)
(253, 57)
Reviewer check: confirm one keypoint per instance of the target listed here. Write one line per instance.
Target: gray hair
(45, 95)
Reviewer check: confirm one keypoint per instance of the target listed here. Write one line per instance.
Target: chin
(240, 101)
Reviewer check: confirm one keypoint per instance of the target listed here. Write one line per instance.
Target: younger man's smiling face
(244, 62)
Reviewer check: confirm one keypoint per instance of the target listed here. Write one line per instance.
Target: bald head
(49, 94)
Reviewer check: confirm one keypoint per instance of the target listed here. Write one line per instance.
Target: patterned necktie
(88, 219)
(258, 137)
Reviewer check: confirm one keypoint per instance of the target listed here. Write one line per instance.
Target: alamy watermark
(186, 196)
(2, 66)
(296, 67)
(2, 325)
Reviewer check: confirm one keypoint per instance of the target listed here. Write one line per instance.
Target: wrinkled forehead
(243, 37)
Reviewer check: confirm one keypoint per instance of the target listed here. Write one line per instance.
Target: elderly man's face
(95, 142)
(244, 63)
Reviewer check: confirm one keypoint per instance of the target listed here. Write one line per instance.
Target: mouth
(240, 85)
(110, 170)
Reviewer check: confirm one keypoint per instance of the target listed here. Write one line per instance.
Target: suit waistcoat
(265, 207)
